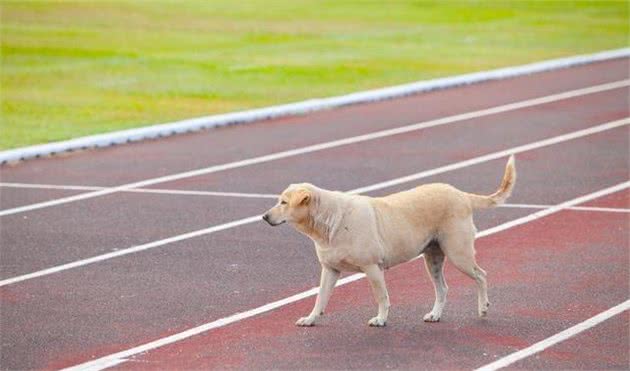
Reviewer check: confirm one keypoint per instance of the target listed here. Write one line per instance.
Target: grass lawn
(70, 69)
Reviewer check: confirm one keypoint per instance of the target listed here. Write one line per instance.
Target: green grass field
(70, 69)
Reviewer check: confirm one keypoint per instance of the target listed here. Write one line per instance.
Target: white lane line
(557, 338)
(555, 209)
(120, 357)
(51, 186)
(496, 155)
(252, 219)
(201, 193)
(263, 195)
(130, 250)
(326, 145)
(574, 208)
(138, 190)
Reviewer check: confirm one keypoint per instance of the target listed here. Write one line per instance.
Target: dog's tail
(502, 194)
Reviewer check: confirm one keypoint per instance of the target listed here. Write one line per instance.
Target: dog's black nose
(266, 218)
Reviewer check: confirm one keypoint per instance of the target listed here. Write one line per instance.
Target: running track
(93, 278)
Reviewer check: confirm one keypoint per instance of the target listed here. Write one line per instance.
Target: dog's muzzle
(266, 218)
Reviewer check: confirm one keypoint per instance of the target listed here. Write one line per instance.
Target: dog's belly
(405, 252)
(391, 261)
(346, 259)
(345, 266)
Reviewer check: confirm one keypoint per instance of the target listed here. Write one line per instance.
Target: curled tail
(504, 191)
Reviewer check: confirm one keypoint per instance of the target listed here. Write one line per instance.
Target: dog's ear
(301, 196)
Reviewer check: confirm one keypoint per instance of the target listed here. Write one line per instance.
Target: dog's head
(292, 205)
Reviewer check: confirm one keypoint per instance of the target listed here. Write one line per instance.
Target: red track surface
(544, 276)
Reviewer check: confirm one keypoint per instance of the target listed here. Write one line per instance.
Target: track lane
(593, 349)
(619, 125)
(534, 293)
(412, 150)
(403, 154)
(15, 197)
(205, 278)
(51, 237)
(621, 199)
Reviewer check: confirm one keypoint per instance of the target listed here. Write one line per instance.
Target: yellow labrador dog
(364, 234)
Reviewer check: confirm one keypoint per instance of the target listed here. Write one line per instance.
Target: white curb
(298, 108)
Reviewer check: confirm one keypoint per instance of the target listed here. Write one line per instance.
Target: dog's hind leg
(434, 262)
(458, 246)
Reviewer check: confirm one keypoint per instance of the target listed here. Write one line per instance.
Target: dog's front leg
(376, 276)
(327, 283)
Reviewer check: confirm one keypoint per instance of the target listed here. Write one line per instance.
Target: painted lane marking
(574, 208)
(262, 195)
(557, 338)
(381, 185)
(130, 250)
(497, 155)
(139, 190)
(325, 145)
(120, 357)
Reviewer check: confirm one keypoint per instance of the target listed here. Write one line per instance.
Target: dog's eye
(283, 202)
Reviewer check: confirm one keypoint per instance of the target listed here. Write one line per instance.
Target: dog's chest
(337, 258)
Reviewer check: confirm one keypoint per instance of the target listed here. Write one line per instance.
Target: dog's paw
(306, 322)
(377, 322)
(431, 317)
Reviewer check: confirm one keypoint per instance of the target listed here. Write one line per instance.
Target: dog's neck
(325, 216)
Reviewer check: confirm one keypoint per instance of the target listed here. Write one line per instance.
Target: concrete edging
(299, 108)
